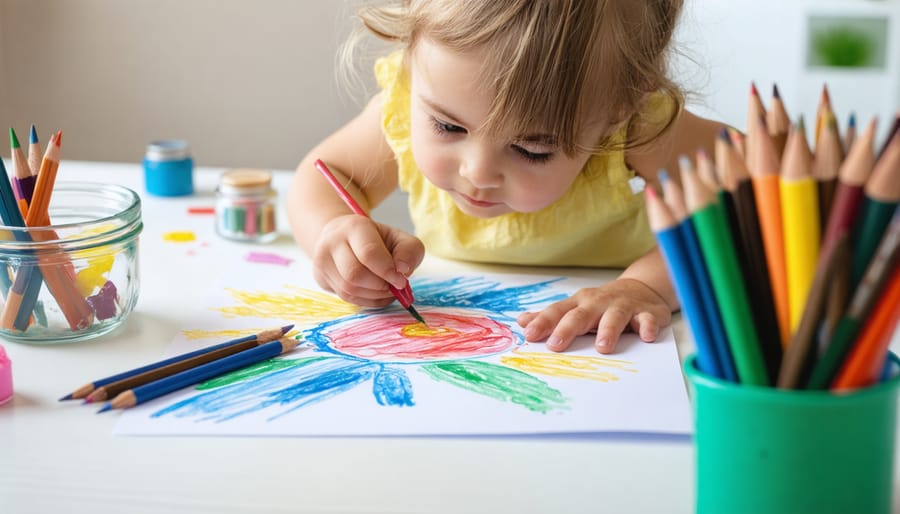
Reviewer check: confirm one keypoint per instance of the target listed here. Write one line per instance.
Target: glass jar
(77, 278)
(245, 206)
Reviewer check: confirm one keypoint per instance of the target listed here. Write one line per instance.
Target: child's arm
(352, 256)
(642, 298)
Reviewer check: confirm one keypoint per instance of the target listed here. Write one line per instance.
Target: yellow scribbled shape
(300, 306)
(567, 366)
(179, 237)
(422, 330)
(228, 334)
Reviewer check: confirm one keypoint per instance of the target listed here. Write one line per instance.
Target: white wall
(252, 82)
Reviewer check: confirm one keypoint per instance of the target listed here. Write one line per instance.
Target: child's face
(486, 176)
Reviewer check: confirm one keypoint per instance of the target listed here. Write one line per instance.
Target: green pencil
(710, 222)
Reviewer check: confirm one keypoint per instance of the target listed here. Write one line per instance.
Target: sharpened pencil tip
(88, 400)
(105, 408)
(58, 137)
(662, 175)
(66, 397)
(33, 136)
(287, 328)
(13, 140)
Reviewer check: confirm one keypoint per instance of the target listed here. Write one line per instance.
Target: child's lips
(478, 203)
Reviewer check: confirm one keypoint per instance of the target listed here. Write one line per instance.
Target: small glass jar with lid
(245, 206)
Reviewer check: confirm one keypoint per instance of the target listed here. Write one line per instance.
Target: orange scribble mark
(422, 330)
(567, 366)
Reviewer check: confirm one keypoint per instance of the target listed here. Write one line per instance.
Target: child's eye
(535, 157)
(443, 128)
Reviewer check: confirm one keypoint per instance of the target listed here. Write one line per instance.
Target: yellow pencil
(800, 222)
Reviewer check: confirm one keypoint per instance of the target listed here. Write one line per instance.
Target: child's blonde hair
(556, 66)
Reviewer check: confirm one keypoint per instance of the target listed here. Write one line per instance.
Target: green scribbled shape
(498, 382)
(267, 366)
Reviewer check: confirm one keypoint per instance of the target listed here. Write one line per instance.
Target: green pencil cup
(766, 450)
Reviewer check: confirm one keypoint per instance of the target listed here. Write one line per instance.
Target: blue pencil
(667, 232)
(23, 295)
(264, 336)
(192, 376)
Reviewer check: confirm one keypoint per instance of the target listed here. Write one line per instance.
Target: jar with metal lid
(169, 168)
(245, 206)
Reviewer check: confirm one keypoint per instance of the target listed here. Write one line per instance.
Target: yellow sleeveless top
(598, 222)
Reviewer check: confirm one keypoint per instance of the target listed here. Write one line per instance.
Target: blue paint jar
(168, 168)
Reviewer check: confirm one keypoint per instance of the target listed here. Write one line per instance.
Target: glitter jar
(245, 206)
(169, 168)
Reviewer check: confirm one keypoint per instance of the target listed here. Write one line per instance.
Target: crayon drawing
(380, 372)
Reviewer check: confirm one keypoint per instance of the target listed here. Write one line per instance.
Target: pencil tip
(775, 93)
(753, 90)
(105, 408)
(88, 400)
(663, 175)
(58, 137)
(684, 162)
(33, 137)
(285, 329)
(13, 140)
(412, 310)
(723, 135)
(852, 121)
(66, 397)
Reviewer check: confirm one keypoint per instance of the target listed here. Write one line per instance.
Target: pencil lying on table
(262, 337)
(405, 295)
(164, 386)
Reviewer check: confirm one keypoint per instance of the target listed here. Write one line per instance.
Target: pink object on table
(6, 386)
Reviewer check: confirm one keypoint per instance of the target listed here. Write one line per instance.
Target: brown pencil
(756, 111)
(778, 121)
(827, 161)
(736, 182)
(852, 176)
(799, 353)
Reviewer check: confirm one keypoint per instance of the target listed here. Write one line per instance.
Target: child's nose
(481, 173)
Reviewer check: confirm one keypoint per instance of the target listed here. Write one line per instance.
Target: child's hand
(356, 257)
(607, 310)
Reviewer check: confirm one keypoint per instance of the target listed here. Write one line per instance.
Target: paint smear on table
(183, 236)
(267, 258)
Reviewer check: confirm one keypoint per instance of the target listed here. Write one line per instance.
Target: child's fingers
(353, 274)
(408, 253)
(574, 322)
(612, 323)
(370, 250)
(645, 325)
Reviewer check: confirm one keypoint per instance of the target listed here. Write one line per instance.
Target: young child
(515, 126)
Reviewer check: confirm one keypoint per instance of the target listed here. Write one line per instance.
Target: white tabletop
(56, 457)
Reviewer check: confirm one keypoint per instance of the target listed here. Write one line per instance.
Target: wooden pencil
(829, 154)
(23, 180)
(778, 121)
(708, 219)
(850, 133)
(763, 168)
(895, 127)
(800, 223)
(863, 302)
(172, 383)
(35, 154)
(852, 176)
(822, 112)
(756, 111)
(666, 229)
(738, 141)
(864, 365)
(673, 196)
(881, 196)
(800, 351)
(263, 336)
(736, 181)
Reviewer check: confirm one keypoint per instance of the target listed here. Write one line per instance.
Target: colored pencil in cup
(864, 365)
(881, 196)
(850, 134)
(710, 317)
(264, 336)
(23, 293)
(35, 154)
(405, 295)
(739, 194)
(823, 110)
(829, 154)
(778, 122)
(23, 179)
(756, 112)
(763, 166)
(800, 352)
(800, 222)
(163, 386)
(863, 302)
(708, 219)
